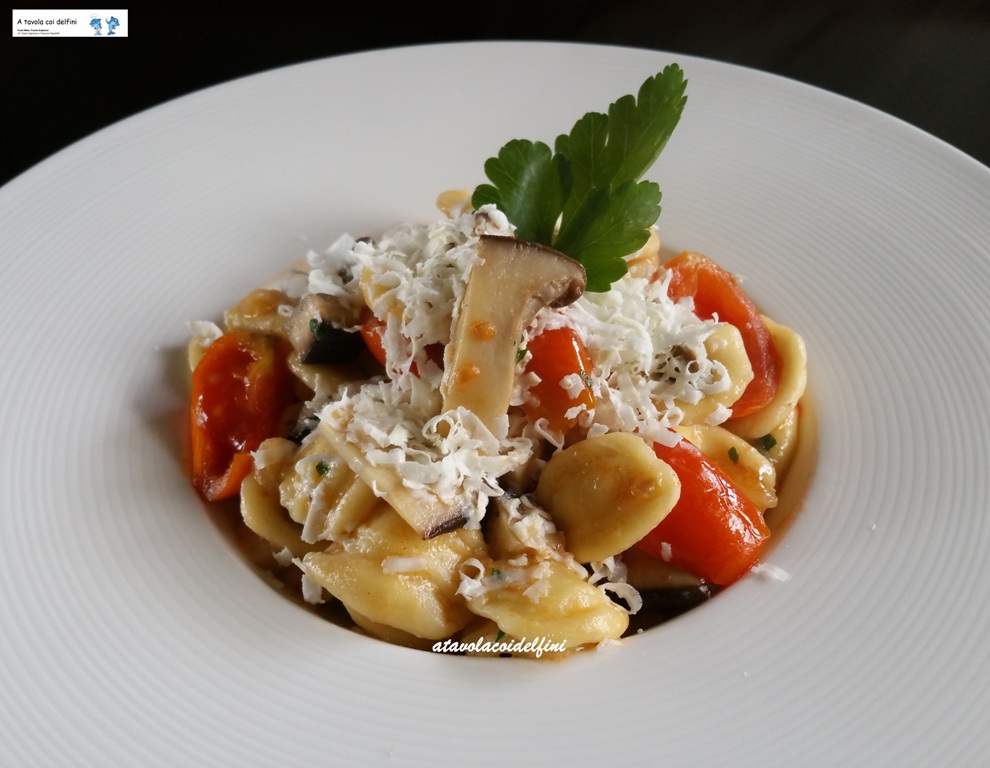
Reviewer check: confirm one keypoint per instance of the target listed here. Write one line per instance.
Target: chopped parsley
(317, 329)
(733, 454)
(584, 197)
(766, 442)
(322, 468)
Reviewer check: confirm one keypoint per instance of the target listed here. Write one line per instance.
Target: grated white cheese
(472, 573)
(666, 552)
(530, 524)
(463, 464)
(719, 415)
(573, 385)
(283, 557)
(273, 453)
(540, 574)
(609, 642)
(334, 272)
(319, 493)
(770, 572)
(519, 573)
(648, 353)
(204, 332)
(312, 592)
(609, 576)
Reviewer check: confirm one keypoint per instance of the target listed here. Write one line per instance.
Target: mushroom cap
(512, 280)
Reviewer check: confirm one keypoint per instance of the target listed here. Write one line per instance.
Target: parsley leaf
(529, 185)
(608, 225)
(606, 149)
(585, 197)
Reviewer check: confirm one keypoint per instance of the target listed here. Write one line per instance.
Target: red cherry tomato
(373, 332)
(240, 391)
(713, 531)
(555, 354)
(716, 292)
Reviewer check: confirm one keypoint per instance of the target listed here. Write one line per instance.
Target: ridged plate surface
(133, 634)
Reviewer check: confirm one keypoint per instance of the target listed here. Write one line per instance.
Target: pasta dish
(482, 431)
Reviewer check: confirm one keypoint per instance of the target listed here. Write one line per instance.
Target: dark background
(925, 62)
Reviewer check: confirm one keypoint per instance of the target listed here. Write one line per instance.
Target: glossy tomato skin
(372, 330)
(714, 531)
(241, 389)
(555, 354)
(716, 293)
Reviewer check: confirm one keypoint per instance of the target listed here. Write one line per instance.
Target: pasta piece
(645, 262)
(263, 514)
(387, 573)
(566, 610)
(794, 453)
(518, 527)
(793, 378)
(387, 633)
(454, 202)
(203, 334)
(749, 469)
(258, 312)
(325, 378)
(351, 507)
(606, 493)
(725, 346)
(372, 292)
(480, 632)
(785, 442)
(322, 493)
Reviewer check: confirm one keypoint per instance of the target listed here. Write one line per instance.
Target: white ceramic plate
(133, 634)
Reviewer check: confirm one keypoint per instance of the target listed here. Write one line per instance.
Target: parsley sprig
(585, 197)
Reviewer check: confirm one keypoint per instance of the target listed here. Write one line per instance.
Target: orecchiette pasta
(793, 379)
(749, 468)
(389, 574)
(605, 493)
(733, 373)
(263, 514)
(564, 609)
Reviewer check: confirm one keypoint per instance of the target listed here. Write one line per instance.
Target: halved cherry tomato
(556, 353)
(713, 531)
(240, 391)
(716, 292)
(373, 332)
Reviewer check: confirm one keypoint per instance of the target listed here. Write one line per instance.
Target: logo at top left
(97, 25)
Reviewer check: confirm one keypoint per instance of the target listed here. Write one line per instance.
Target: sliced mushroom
(428, 515)
(316, 329)
(512, 281)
